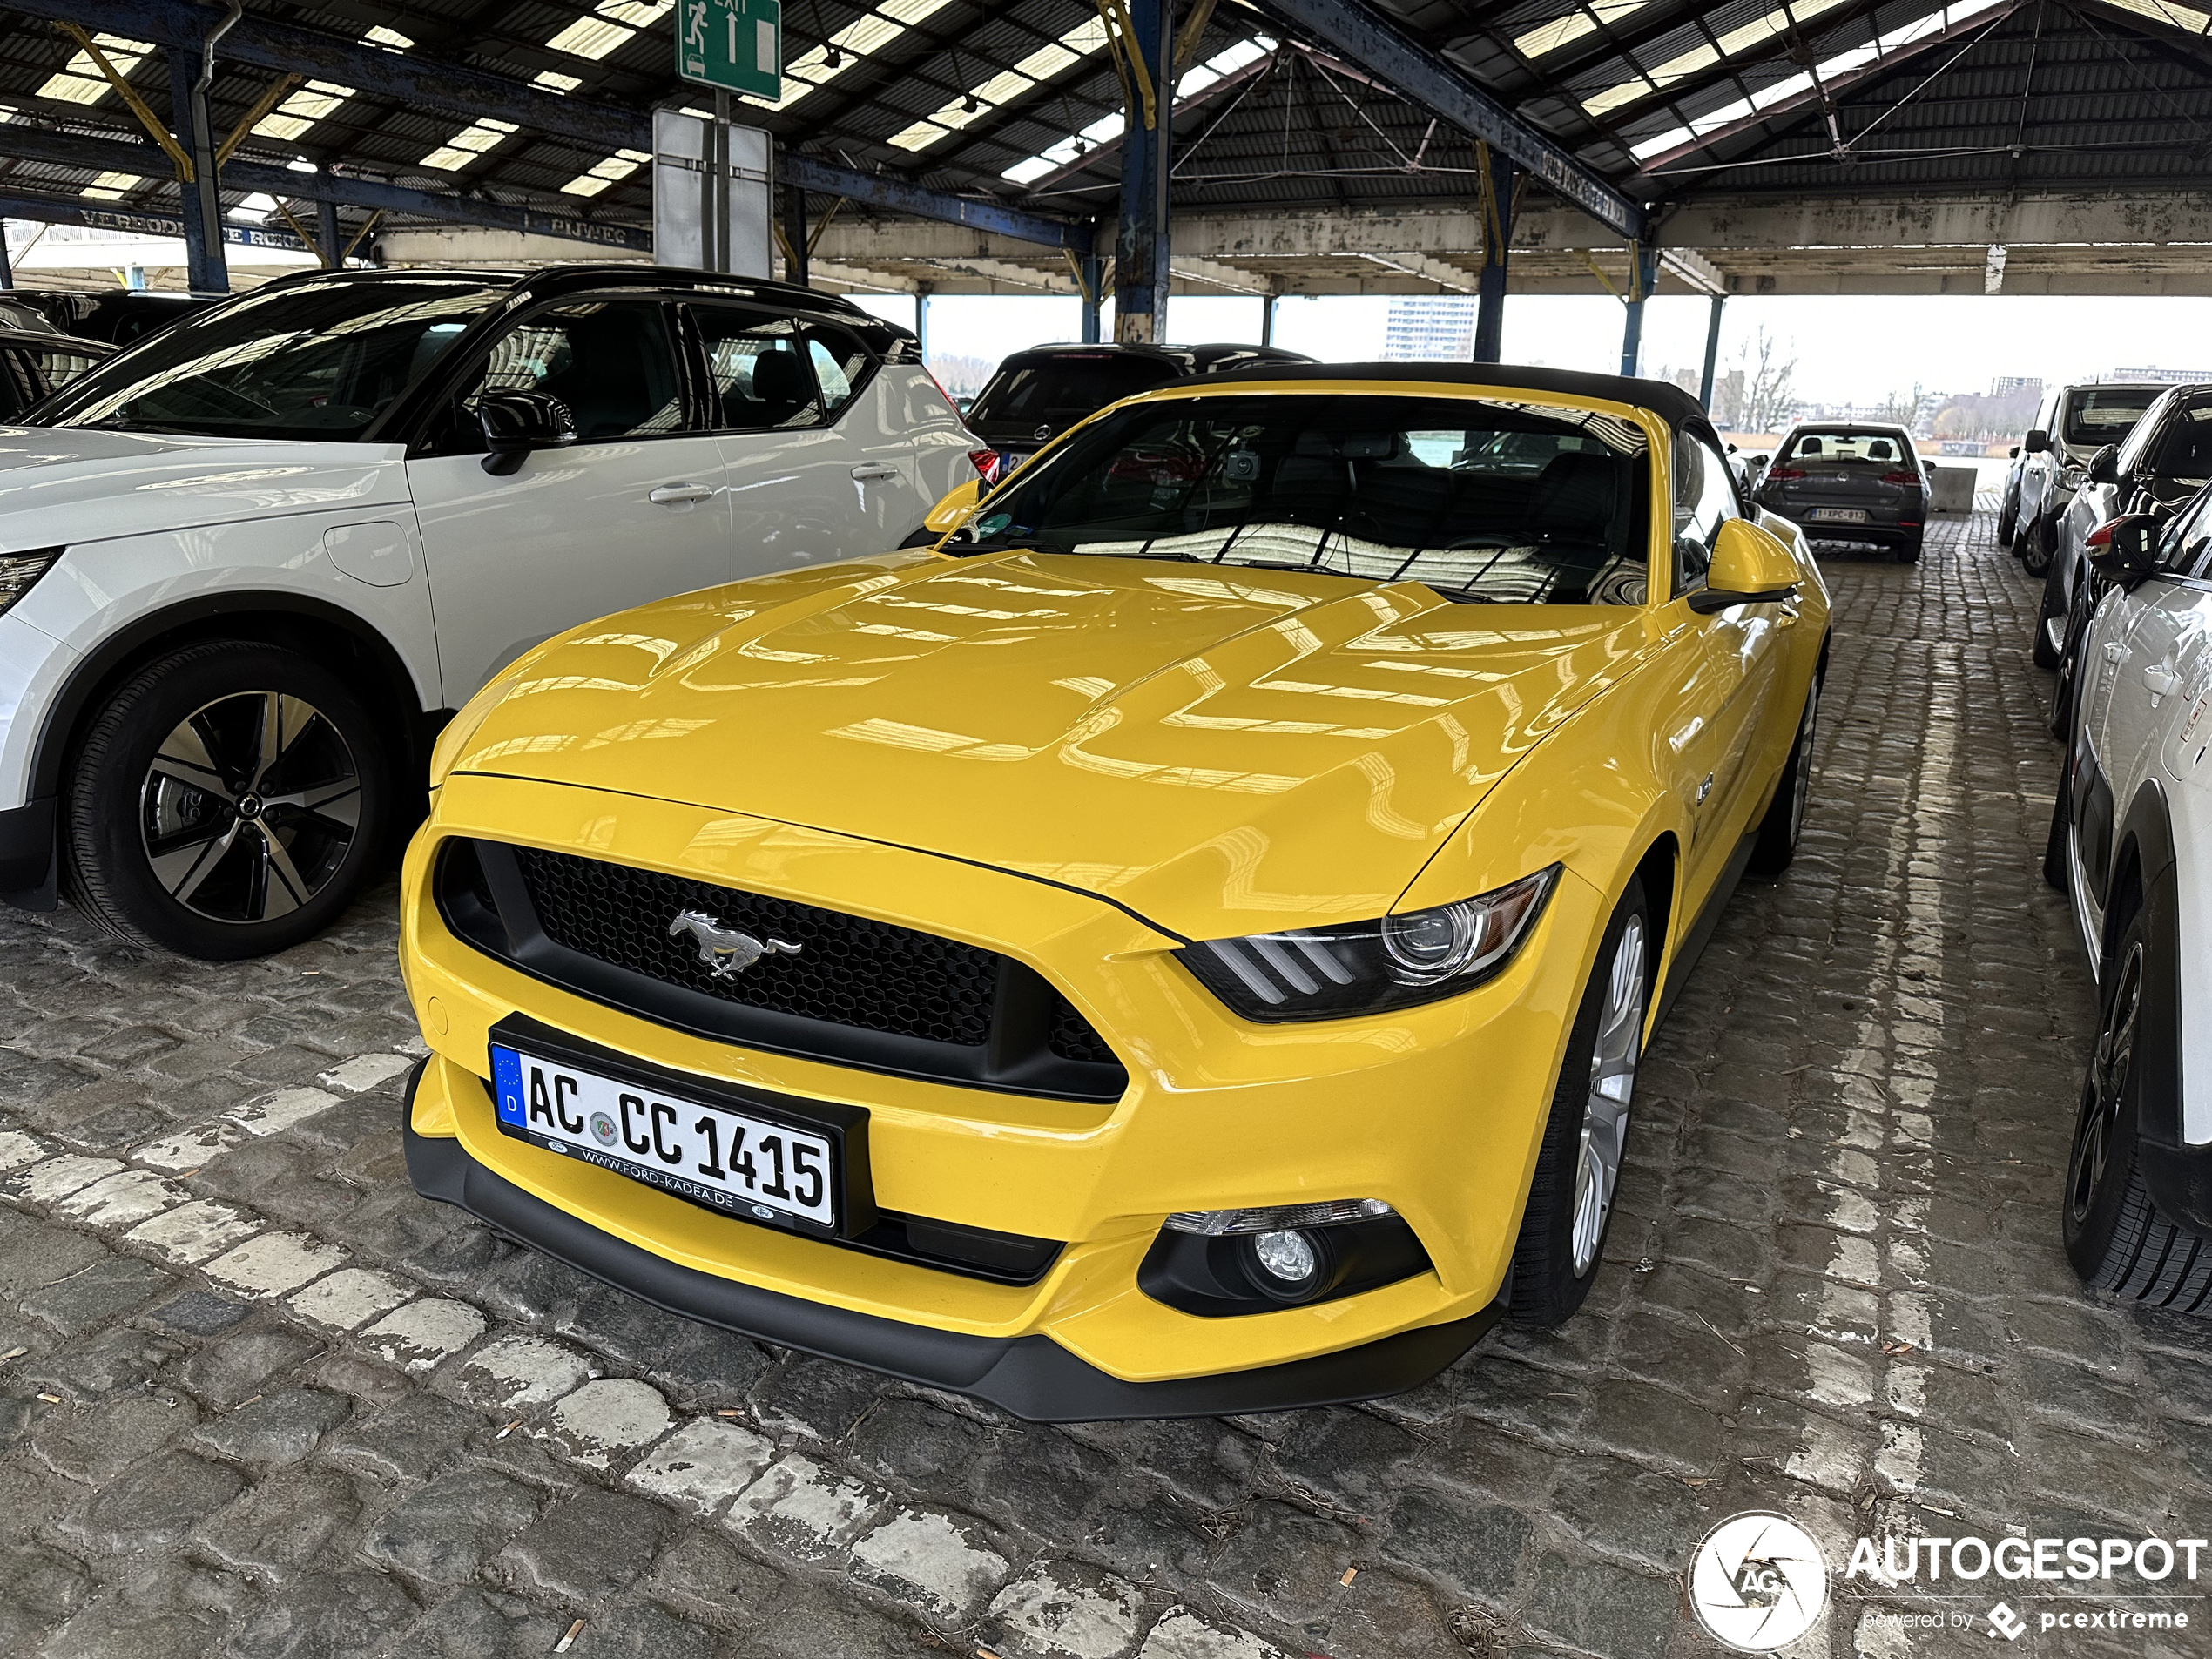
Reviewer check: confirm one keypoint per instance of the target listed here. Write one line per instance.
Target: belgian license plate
(1839, 515)
(1008, 460)
(727, 1160)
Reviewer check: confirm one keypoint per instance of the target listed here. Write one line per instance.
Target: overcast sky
(1856, 349)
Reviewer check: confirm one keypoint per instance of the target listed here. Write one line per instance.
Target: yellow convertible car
(1182, 943)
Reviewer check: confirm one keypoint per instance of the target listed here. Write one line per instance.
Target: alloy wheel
(1613, 1077)
(249, 806)
(2097, 1127)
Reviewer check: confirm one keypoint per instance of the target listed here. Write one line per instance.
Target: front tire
(227, 802)
(1785, 814)
(2115, 1236)
(1578, 1169)
(2036, 544)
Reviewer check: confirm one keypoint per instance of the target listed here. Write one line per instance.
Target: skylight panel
(615, 168)
(553, 81)
(608, 28)
(867, 34)
(79, 81)
(467, 145)
(1107, 128)
(1049, 60)
(1793, 85)
(110, 186)
(255, 209)
(2188, 19)
(301, 110)
(380, 36)
(1732, 43)
(1582, 20)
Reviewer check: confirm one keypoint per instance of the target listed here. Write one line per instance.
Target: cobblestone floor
(258, 1399)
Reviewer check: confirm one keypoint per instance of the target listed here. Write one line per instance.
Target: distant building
(1437, 327)
(2006, 385)
(2164, 376)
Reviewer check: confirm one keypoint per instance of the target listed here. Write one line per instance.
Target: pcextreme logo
(1758, 1581)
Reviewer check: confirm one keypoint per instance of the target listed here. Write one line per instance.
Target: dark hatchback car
(119, 316)
(1039, 393)
(34, 366)
(1850, 483)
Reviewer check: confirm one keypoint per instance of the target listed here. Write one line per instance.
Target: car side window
(2184, 547)
(841, 363)
(761, 368)
(612, 362)
(1704, 498)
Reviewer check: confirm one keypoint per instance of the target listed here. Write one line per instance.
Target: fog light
(1288, 1256)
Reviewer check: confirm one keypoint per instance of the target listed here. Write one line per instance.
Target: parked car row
(2108, 503)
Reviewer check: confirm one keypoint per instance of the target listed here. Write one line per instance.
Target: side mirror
(2012, 453)
(2036, 441)
(951, 512)
(2125, 549)
(516, 422)
(2104, 466)
(1751, 566)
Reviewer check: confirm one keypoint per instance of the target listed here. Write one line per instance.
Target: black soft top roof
(1663, 398)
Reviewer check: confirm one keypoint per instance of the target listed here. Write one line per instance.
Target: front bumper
(1032, 1377)
(1437, 1110)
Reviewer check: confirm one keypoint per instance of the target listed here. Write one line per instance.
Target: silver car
(1850, 482)
(2053, 461)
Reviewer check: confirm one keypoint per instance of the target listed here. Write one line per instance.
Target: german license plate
(1838, 514)
(727, 1160)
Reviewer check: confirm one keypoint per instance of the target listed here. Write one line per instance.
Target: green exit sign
(737, 46)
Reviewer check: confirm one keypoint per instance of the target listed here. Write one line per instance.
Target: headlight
(1368, 967)
(19, 570)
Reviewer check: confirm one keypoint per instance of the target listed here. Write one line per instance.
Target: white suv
(247, 567)
(2131, 846)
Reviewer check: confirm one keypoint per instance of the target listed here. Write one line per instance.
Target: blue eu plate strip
(506, 1085)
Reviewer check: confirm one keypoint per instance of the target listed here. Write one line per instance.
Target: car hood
(64, 484)
(1223, 752)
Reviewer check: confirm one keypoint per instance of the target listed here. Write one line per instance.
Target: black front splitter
(1032, 1377)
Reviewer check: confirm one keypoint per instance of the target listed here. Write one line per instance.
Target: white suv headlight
(19, 570)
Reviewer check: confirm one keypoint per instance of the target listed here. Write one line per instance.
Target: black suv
(1039, 393)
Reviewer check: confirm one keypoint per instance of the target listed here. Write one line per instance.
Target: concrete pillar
(205, 270)
(1267, 319)
(1094, 268)
(1712, 354)
(329, 242)
(795, 234)
(1141, 238)
(1646, 273)
(1490, 302)
(921, 318)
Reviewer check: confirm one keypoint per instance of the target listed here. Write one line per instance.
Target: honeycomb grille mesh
(850, 971)
(1075, 1038)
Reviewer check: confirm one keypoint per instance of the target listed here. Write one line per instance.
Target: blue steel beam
(469, 93)
(1141, 237)
(1363, 37)
(116, 155)
(58, 211)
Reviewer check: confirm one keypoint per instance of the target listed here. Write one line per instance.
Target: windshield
(322, 360)
(1482, 500)
(2105, 414)
(1059, 391)
(1843, 447)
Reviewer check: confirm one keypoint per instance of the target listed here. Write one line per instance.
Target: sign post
(732, 46)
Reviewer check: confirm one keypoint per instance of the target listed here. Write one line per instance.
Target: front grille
(857, 991)
(849, 970)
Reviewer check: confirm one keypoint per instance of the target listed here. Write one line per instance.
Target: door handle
(2162, 680)
(679, 494)
(874, 472)
(2115, 651)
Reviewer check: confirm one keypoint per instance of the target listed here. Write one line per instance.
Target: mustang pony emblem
(726, 950)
